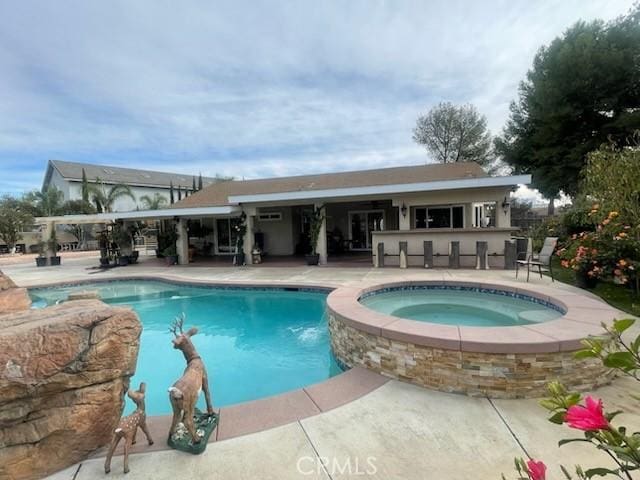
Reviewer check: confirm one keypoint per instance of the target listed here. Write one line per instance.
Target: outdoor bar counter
(447, 245)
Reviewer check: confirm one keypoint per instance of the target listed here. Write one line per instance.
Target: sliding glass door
(361, 226)
(226, 235)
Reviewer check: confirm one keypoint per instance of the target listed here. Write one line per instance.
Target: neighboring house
(440, 203)
(67, 177)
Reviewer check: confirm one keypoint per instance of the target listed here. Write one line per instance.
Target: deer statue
(128, 427)
(184, 393)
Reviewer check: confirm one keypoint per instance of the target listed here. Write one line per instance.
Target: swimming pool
(461, 306)
(256, 342)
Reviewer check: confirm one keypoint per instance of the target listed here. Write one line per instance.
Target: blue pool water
(470, 307)
(255, 342)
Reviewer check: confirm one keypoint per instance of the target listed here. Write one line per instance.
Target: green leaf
(572, 399)
(612, 415)
(557, 418)
(601, 472)
(621, 325)
(549, 404)
(621, 360)
(571, 440)
(582, 354)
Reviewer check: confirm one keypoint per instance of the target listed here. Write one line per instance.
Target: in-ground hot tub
(496, 340)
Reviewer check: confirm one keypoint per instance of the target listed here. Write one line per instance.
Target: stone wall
(477, 374)
(12, 298)
(63, 374)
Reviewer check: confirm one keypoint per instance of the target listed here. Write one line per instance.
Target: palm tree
(155, 203)
(46, 203)
(104, 197)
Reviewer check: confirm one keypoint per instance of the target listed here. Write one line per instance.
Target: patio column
(182, 243)
(248, 239)
(47, 229)
(404, 220)
(468, 215)
(322, 236)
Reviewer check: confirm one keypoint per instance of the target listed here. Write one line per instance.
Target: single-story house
(377, 212)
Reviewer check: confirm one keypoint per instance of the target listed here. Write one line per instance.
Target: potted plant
(170, 255)
(165, 240)
(241, 230)
(53, 248)
(133, 258)
(315, 225)
(123, 238)
(41, 259)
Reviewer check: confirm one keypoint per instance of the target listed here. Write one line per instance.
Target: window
(270, 217)
(439, 217)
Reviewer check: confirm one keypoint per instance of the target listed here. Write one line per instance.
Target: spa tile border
(582, 316)
(464, 287)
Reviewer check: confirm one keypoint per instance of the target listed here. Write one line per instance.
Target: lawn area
(615, 295)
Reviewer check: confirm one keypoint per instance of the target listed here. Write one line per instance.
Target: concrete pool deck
(397, 429)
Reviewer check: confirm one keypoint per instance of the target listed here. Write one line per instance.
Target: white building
(67, 177)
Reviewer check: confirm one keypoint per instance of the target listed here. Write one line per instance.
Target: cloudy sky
(255, 88)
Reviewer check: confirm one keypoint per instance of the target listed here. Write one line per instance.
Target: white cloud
(257, 88)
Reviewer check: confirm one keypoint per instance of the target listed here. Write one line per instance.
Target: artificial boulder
(12, 298)
(63, 374)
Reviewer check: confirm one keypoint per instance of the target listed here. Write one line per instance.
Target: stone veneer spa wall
(497, 362)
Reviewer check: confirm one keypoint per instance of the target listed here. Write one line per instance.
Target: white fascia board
(464, 183)
(141, 215)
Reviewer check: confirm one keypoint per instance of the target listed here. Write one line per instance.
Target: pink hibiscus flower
(589, 417)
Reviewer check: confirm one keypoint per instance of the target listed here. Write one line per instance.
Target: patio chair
(542, 260)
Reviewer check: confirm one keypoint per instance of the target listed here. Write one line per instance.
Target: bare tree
(453, 133)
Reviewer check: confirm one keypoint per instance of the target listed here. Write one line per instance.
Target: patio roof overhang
(141, 215)
(350, 192)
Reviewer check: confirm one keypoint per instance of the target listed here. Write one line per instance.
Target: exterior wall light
(506, 205)
(403, 210)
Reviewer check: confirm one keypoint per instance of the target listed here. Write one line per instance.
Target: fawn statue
(128, 427)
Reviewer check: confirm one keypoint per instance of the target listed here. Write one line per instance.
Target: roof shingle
(218, 193)
(129, 176)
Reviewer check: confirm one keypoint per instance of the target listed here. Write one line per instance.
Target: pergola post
(182, 243)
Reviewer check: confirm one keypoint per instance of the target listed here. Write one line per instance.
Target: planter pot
(238, 259)
(41, 261)
(54, 261)
(171, 260)
(133, 258)
(312, 259)
(585, 281)
(123, 260)
(104, 261)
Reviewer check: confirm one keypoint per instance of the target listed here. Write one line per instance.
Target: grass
(616, 295)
